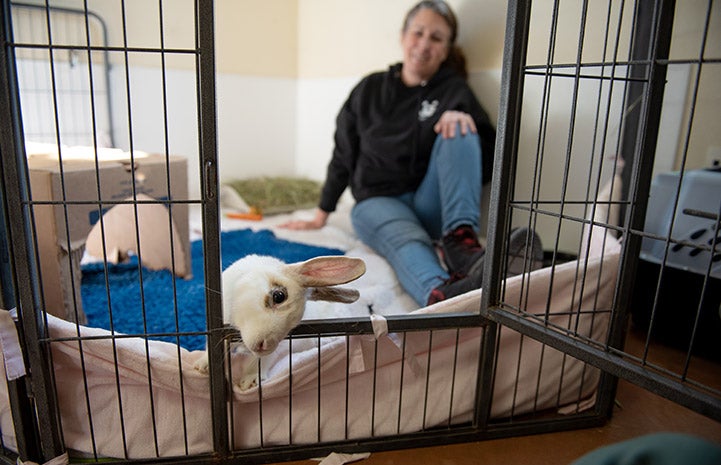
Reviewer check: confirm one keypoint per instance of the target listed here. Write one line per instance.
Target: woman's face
(425, 44)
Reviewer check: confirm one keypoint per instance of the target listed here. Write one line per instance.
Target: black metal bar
(346, 418)
(207, 124)
(583, 76)
(134, 195)
(116, 49)
(290, 392)
(15, 180)
(431, 437)
(396, 323)
(427, 381)
(375, 384)
(319, 390)
(543, 127)
(400, 384)
(512, 81)
(169, 183)
(452, 389)
(652, 37)
(335, 327)
(26, 433)
(611, 363)
(541, 69)
(261, 435)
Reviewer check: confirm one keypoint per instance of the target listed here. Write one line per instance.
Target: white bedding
(528, 378)
(378, 286)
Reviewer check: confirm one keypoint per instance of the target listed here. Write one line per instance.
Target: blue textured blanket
(153, 309)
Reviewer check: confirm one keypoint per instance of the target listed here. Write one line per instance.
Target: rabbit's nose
(261, 346)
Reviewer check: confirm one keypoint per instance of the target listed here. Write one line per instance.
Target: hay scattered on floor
(277, 194)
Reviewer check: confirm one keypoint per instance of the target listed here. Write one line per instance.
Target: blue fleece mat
(162, 321)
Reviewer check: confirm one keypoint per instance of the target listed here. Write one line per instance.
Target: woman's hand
(450, 120)
(319, 220)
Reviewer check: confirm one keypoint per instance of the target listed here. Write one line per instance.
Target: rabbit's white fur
(264, 299)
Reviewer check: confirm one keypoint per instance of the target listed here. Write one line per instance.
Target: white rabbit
(264, 299)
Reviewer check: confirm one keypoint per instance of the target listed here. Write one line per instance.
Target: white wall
(256, 120)
(318, 103)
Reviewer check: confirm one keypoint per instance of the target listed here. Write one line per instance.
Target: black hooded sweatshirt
(384, 134)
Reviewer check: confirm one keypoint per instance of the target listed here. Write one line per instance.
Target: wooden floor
(638, 412)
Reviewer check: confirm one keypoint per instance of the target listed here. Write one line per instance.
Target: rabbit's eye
(278, 295)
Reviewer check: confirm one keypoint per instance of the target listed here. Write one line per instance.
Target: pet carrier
(679, 278)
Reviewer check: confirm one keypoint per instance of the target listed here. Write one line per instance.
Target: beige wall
(705, 143)
(257, 38)
(342, 38)
(300, 38)
(253, 37)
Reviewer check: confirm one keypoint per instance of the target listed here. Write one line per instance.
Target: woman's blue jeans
(403, 228)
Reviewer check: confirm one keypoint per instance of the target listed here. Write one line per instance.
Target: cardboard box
(68, 203)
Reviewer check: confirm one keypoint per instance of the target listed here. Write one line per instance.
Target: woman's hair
(456, 59)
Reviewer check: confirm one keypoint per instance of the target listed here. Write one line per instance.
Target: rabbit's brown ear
(334, 294)
(328, 271)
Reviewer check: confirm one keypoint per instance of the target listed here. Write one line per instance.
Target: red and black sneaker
(458, 284)
(461, 250)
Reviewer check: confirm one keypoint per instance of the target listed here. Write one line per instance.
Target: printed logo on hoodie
(427, 110)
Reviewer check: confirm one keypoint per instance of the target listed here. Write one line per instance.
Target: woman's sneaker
(459, 284)
(461, 250)
(525, 252)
